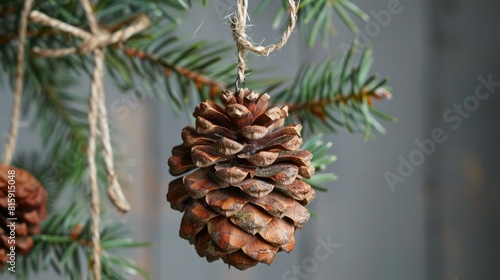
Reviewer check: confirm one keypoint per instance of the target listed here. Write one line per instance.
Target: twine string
(95, 94)
(95, 42)
(114, 190)
(10, 145)
(91, 149)
(90, 43)
(243, 44)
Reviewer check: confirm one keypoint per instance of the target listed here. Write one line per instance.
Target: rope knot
(98, 38)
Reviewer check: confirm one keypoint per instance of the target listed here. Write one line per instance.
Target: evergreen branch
(338, 99)
(64, 245)
(194, 73)
(66, 117)
(198, 78)
(61, 120)
(315, 18)
(189, 69)
(337, 93)
(7, 38)
(321, 160)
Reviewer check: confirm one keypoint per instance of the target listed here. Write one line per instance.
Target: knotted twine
(95, 41)
(238, 26)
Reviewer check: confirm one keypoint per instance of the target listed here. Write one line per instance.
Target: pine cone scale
(226, 235)
(227, 203)
(278, 232)
(251, 219)
(260, 251)
(192, 138)
(256, 187)
(205, 110)
(177, 195)
(240, 260)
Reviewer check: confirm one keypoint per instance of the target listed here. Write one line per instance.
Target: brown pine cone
(245, 199)
(30, 199)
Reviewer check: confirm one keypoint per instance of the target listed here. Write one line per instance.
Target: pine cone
(30, 199)
(245, 199)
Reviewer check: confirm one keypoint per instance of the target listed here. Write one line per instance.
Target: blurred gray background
(440, 223)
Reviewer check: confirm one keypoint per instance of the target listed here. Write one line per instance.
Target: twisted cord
(94, 188)
(10, 145)
(238, 25)
(95, 94)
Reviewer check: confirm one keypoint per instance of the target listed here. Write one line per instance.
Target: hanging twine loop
(95, 42)
(10, 145)
(238, 26)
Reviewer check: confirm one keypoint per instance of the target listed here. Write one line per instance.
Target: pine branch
(64, 245)
(321, 160)
(338, 99)
(316, 17)
(7, 38)
(185, 71)
(191, 71)
(314, 107)
(337, 93)
(61, 119)
(198, 78)
(77, 127)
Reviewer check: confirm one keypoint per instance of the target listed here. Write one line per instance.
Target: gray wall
(462, 179)
(440, 223)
